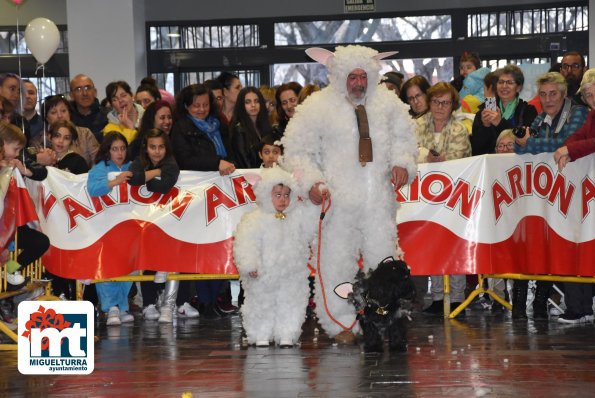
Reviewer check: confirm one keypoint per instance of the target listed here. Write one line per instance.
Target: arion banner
(500, 213)
(485, 214)
(16, 207)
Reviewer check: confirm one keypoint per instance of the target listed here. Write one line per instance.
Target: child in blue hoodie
(110, 170)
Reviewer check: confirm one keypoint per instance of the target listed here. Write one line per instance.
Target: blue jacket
(97, 181)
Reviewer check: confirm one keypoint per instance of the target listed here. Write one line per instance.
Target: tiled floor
(478, 355)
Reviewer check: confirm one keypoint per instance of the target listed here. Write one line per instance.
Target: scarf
(508, 113)
(210, 126)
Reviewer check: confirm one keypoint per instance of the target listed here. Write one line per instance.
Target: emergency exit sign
(360, 5)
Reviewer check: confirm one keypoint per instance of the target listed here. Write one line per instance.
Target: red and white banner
(16, 207)
(486, 214)
(186, 230)
(500, 213)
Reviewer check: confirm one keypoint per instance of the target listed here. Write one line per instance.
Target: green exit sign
(360, 5)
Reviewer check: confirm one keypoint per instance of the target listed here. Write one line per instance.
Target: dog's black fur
(383, 298)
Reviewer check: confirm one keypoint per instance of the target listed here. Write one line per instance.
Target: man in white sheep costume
(271, 253)
(322, 141)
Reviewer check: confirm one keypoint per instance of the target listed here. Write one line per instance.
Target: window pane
(363, 31)
(199, 37)
(49, 86)
(9, 42)
(434, 69)
(165, 80)
(524, 22)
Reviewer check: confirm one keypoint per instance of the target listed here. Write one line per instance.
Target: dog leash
(324, 209)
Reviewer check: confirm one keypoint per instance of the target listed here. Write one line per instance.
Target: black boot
(542, 294)
(519, 300)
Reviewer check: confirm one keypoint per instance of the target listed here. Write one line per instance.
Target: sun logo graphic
(56, 337)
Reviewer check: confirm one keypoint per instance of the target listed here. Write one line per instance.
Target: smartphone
(434, 152)
(491, 103)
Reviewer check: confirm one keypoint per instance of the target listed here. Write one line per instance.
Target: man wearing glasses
(86, 111)
(573, 68)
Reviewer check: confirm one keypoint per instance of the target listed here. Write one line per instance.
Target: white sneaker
(160, 277)
(187, 311)
(262, 343)
(126, 317)
(15, 278)
(150, 312)
(113, 317)
(167, 315)
(588, 318)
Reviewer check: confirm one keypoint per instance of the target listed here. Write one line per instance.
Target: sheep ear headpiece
(347, 58)
(322, 55)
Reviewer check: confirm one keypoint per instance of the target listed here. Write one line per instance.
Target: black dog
(383, 301)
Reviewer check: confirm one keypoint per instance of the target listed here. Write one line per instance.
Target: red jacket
(582, 142)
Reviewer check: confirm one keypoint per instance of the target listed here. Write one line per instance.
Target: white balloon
(43, 38)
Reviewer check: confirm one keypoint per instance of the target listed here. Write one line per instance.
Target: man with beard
(573, 68)
(347, 142)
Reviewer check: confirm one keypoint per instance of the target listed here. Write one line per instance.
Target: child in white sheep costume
(322, 140)
(271, 253)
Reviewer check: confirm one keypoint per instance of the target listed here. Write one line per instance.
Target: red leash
(322, 214)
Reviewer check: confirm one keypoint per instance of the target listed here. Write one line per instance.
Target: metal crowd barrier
(553, 278)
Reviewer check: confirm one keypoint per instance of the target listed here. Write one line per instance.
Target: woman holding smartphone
(509, 111)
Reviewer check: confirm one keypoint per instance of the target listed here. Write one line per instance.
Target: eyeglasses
(441, 104)
(83, 89)
(415, 97)
(510, 145)
(506, 82)
(570, 66)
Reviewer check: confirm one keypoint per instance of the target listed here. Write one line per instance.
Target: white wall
(106, 41)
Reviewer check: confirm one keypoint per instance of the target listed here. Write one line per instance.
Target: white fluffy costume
(322, 140)
(278, 249)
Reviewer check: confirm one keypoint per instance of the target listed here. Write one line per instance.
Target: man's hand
(562, 157)
(523, 141)
(399, 176)
(317, 191)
